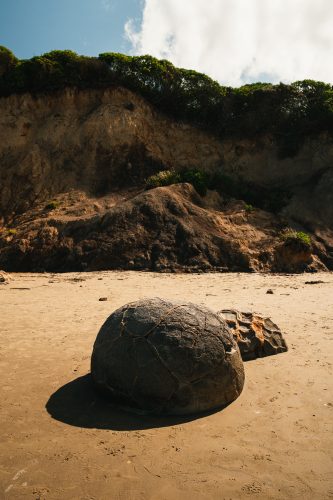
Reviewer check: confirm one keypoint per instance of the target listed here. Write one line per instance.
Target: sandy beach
(60, 441)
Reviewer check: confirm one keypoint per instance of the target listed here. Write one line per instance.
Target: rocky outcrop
(165, 229)
(168, 358)
(255, 335)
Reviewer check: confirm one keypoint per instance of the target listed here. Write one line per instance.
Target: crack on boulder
(151, 330)
(161, 360)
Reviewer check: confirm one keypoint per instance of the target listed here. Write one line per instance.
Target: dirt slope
(168, 228)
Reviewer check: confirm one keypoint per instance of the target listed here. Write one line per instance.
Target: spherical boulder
(164, 357)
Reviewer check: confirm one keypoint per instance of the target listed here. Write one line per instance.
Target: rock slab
(164, 357)
(255, 335)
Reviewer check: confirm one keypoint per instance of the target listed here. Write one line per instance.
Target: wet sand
(59, 441)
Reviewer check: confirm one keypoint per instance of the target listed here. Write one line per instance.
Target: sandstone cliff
(92, 149)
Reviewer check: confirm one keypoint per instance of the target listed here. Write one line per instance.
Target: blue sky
(233, 41)
(32, 27)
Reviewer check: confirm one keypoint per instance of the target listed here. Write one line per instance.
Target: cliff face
(91, 140)
(101, 141)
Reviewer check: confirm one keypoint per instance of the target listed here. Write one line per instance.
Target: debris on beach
(4, 278)
(255, 335)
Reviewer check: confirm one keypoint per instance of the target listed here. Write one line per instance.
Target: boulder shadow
(78, 404)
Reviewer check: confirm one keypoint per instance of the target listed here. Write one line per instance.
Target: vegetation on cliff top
(288, 112)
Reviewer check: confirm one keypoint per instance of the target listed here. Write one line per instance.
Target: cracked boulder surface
(255, 335)
(167, 358)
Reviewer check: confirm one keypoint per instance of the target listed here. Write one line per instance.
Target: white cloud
(238, 41)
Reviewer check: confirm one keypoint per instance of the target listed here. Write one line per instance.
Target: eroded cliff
(96, 147)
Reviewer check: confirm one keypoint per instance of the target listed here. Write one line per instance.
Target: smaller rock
(4, 278)
(103, 299)
(255, 335)
(270, 291)
(314, 282)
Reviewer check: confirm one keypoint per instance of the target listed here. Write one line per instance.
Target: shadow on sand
(78, 404)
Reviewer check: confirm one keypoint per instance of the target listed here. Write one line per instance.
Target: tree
(7, 60)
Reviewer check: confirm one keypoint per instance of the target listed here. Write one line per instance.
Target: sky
(233, 41)
(89, 27)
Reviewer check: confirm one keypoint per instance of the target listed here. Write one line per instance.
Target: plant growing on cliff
(270, 199)
(198, 178)
(249, 208)
(51, 205)
(162, 178)
(299, 238)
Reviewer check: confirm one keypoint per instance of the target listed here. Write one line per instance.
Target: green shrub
(52, 205)
(7, 60)
(296, 237)
(270, 199)
(249, 208)
(162, 178)
(198, 178)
